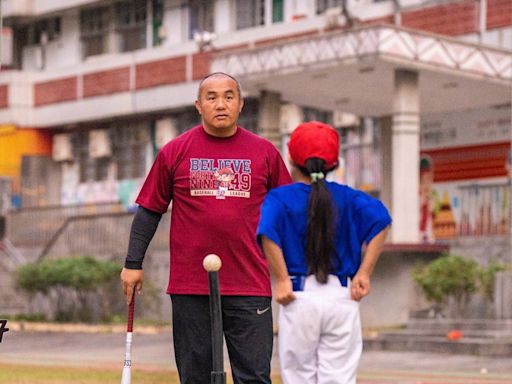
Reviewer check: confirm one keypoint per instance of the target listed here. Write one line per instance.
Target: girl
(313, 233)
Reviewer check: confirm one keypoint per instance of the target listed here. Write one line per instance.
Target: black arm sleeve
(143, 229)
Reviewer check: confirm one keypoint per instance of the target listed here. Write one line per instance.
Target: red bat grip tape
(131, 308)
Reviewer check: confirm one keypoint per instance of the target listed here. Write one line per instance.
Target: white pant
(320, 338)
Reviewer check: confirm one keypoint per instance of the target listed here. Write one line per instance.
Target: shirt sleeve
(143, 229)
(271, 219)
(156, 192)
(370, 217)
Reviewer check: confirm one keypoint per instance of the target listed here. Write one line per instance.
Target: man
(208, 217)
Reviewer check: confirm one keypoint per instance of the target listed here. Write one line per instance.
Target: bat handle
(131, 309)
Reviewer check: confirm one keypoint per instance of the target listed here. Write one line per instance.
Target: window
(249, 116)
(130, 142)
(250, 13)
(40, 32)
(187, 119)
(129, 146)
(90, 169)
(277, 11)
(360, 149)
(201, 16)
(158, 17)
(94, 29)
(130, 21)
(323, 5)
(317, 114)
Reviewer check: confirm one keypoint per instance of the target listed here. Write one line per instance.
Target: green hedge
(456, 278)
(71, 284)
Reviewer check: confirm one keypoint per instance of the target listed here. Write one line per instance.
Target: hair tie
(315, 176)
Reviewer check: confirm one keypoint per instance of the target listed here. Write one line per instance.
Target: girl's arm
(360, 284)
(283, 288)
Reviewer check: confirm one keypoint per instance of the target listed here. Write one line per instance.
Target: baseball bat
(126, 377)
(212, 264)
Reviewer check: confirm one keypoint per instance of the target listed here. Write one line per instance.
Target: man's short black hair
(219, 74)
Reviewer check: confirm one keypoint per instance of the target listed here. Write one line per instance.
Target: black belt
(298, 281)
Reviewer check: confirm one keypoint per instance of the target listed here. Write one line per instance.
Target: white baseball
(212, 263)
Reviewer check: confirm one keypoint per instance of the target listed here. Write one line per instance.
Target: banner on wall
(464, 174)
(464, 128)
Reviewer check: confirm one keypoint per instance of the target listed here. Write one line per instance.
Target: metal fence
(35, 227)
(100, 229)
(99, 234)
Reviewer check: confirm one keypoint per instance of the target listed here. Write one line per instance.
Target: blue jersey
(283, 220)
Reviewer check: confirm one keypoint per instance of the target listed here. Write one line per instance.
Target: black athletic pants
(247, 323)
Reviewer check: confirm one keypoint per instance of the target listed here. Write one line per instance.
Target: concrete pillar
(503, 295)
(386, 125)
(405, 149)
(269, 117)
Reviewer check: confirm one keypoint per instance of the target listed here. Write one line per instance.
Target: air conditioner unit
(62, 148)
(165, 131)
(99, 144)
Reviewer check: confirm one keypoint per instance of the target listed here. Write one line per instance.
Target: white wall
(297, 8)
(16, 7)
(223, 20)
(66, 51)
(497, 38)
(501, 38)
(12, 8)
(175, 23)
(46, 6)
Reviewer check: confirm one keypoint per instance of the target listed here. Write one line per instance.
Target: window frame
(33, 32)
(96, 31)
(135, 23)
(256, 19)
(324, 5)
(205, 21)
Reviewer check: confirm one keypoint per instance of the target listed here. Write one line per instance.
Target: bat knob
(212, 263)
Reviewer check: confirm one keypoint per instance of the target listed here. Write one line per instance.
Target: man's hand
(131, 280)
(284, 292)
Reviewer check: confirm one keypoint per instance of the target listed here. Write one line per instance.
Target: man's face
(219, 104)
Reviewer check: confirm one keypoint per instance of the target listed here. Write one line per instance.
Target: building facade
(419, 90)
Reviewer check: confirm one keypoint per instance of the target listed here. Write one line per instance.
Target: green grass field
(37, 374)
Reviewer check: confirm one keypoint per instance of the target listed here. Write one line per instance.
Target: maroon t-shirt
(217, 186)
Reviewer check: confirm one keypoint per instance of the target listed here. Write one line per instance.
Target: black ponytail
(321, 226)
